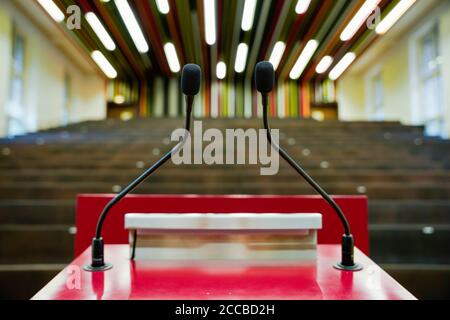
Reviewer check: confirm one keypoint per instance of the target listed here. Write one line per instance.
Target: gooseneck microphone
(190, 85)
(265, 82)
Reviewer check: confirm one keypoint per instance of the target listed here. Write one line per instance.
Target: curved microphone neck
(347, 262)
(98, 263)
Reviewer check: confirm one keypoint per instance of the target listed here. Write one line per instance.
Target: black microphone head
(264, 77)
(191, 78)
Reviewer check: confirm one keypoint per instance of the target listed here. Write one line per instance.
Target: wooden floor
(405, 175)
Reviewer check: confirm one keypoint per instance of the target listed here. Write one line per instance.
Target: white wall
(5, 61)
(396, 74)
(444, 26)
(394, 59)
(46, 67)
(351, 98)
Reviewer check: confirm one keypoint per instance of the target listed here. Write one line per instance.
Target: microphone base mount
(105, 267)
(348, 260)
(355, 267)
(98, 261)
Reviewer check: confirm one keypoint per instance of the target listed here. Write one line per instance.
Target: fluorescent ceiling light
(241, 58)
(277, 54)
(209, 8)
(104, 64)
(302, 6)
(392, 17)
(339, 69)
(163, 6)
(304, 59)
(100, 31)
(52, 9)
(324, 64)
(358, 20)
(248, 16)
(221, 70)
(132, 25)
(172, 58)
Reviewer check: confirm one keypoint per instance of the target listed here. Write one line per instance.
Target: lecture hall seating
(404, 174)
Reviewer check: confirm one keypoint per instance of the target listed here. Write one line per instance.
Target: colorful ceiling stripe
(307, 37)
(183, 25)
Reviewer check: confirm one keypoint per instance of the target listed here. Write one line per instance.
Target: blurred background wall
(42, 84)
(403, 76)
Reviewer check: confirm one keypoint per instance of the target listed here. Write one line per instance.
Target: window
(375, 96)
(430, 84)
(15, 109)
(67, 100)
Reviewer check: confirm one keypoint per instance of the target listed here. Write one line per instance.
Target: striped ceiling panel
(184, 26)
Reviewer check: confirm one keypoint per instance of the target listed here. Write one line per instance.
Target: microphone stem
(127, 190)
(301, 171)
(146, 174)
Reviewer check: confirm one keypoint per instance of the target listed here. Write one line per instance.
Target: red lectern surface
(89, 208)
(153, 281)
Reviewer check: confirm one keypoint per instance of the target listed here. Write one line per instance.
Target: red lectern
(166, 280)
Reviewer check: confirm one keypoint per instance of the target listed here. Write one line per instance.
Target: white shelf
(233, 221)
